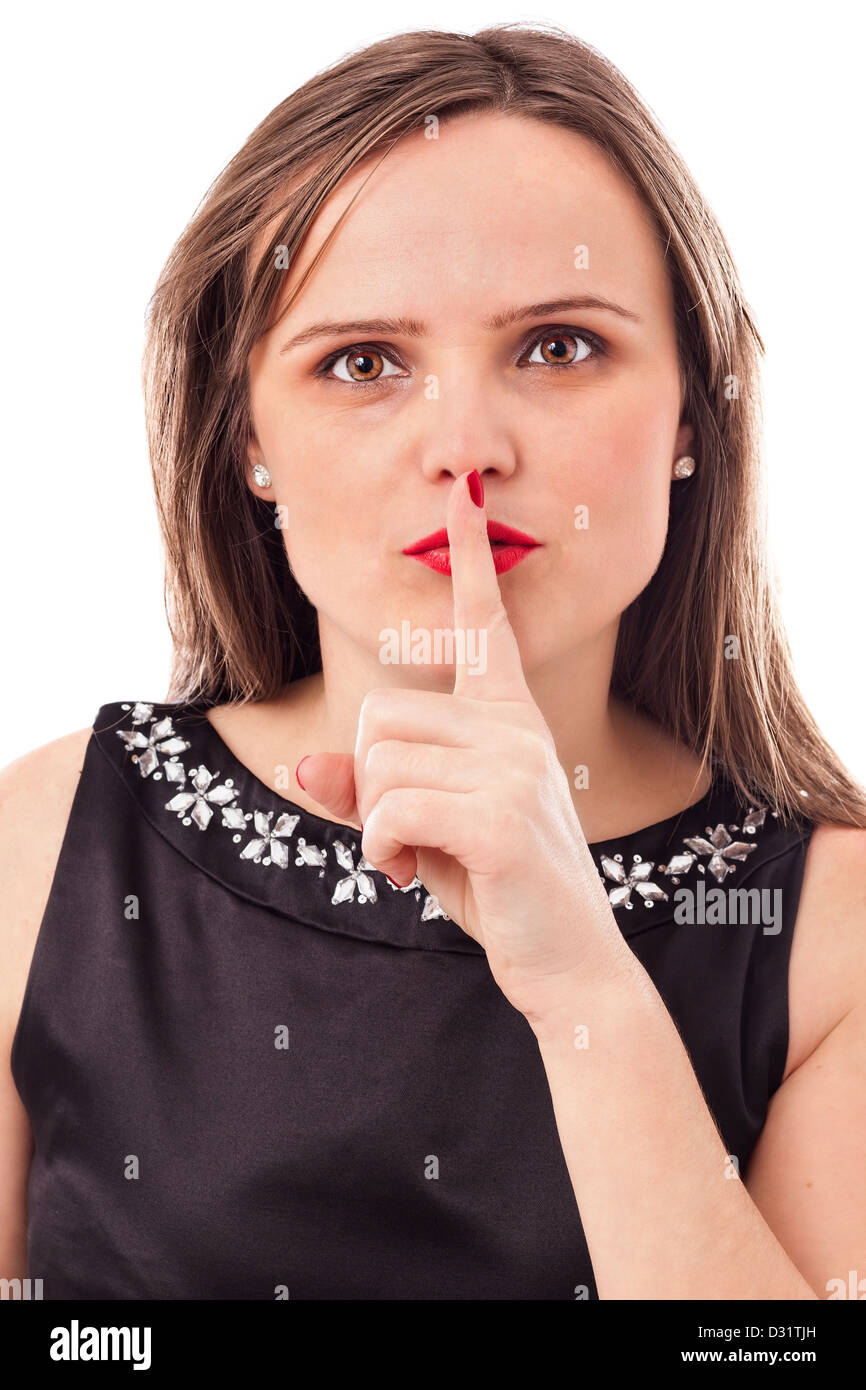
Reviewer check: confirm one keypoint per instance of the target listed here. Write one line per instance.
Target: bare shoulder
(827, 974)
(36, 794)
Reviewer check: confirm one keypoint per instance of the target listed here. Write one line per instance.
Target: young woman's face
(569, 413)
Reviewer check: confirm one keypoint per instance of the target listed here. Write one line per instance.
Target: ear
(254, 456)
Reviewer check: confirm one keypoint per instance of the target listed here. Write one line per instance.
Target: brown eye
(361, 364)
(560, 349)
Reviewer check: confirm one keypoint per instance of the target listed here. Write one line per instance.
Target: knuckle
(377, 759)
(498, 613)
(373, 705)
(385, 810)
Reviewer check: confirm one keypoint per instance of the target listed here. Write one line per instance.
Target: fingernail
(298, 772)
(476, 488)
(392, 880)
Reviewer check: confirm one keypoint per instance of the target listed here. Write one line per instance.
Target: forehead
(494, 210)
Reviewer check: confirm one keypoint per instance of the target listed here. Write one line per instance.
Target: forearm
(664, 1214)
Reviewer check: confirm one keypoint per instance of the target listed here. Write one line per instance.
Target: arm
(664, 1213)
(807, 1172)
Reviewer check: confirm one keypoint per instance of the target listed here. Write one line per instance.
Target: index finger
(487, 657)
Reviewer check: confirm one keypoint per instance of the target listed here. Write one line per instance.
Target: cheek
(330, 513)
(614, 501)
(331, 536)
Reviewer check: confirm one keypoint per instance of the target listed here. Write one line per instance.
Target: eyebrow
(413, 328)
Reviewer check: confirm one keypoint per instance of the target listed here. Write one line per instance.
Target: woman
(480, 914)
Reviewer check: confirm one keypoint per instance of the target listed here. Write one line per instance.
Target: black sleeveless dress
(255, 1069)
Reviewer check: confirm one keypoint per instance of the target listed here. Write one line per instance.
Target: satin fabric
(241, 1089)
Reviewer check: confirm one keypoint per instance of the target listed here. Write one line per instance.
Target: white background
(116, 120)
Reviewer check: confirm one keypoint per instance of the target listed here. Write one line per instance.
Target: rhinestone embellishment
(717, 847)
(637, 878)
(202, 793)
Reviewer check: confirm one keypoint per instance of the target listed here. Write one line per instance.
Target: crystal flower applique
(201, 801)
(716, 846)
(201, 793)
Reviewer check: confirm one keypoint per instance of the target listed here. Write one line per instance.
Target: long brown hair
(242, 629)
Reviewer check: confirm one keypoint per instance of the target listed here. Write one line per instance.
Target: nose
(449, 451)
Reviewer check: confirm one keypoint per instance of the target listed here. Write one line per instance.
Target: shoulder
(827, 975)
(38, 787)
(36, 795)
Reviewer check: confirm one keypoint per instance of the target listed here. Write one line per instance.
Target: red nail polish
(298, 772)
(392, 880)
(476, 488)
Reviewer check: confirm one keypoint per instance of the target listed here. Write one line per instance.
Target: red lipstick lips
(509, 548)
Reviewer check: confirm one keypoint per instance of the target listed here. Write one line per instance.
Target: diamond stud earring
(261, 475)
(684, 467)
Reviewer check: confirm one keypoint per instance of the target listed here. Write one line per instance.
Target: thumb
(329, 778)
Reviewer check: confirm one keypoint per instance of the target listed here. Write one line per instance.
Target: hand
(467, 791)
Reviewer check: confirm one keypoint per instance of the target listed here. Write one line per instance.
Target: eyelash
(598, 345)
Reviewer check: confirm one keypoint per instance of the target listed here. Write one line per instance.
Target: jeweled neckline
(295, 809)
(220, 804)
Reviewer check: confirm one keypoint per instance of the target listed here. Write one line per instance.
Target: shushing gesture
(466, 791)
